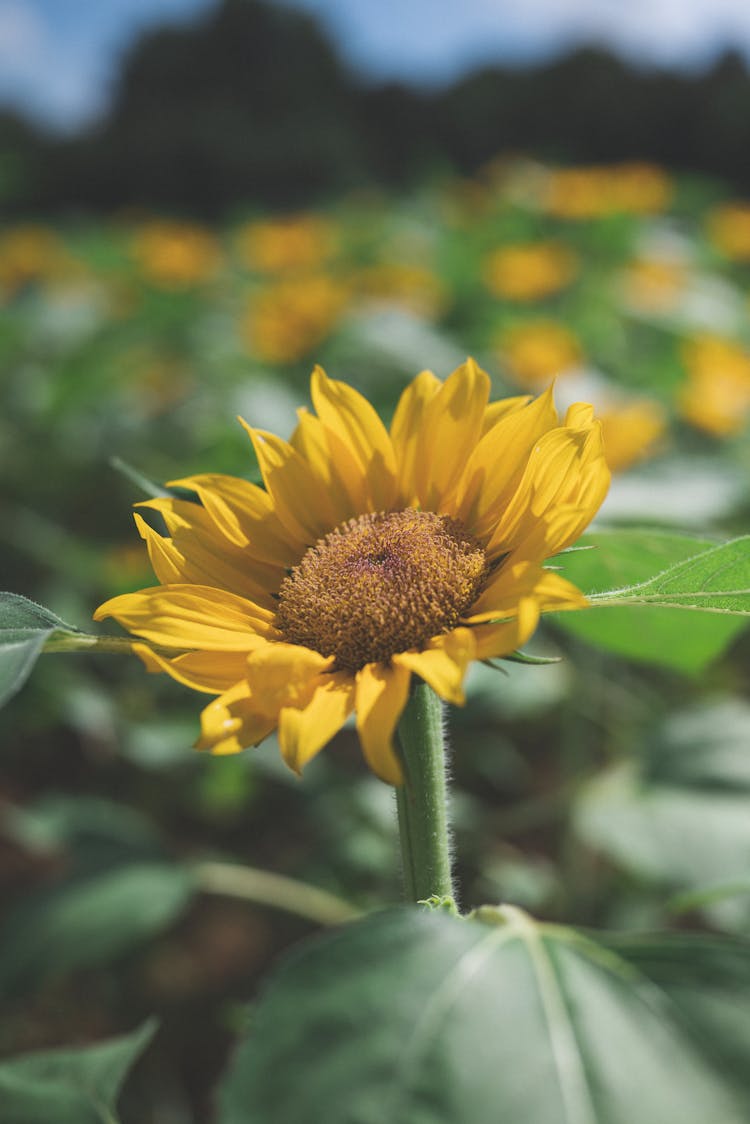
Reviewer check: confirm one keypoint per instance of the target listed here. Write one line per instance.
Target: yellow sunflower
(369, 556)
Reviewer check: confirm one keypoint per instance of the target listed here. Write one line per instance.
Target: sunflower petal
(406, 429)
(500, 639)
(210, 672)
(495, 467)
(500, 409)
(442, 663)
(565, 482)
(501, 596)
(190, 558)
(334, 465)
(244, 514)
(231, 723)
(305, 730)
(451, 424)
(280, 675)
(192, 617)
(300, 502)
(381, 696)
(351, 417)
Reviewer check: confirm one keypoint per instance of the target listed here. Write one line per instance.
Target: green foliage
(79, 1086)
(495, 1018)
(24, 628)
(659, 576)
(116, 891)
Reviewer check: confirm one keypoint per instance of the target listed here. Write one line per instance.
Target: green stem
(84, 642)
(422, 800)
(267, 888)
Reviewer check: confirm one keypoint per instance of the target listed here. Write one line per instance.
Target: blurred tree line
(253, 105)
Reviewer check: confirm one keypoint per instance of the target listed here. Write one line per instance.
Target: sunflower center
(380, 584)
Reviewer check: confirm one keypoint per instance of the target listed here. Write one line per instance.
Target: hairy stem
(422, 801)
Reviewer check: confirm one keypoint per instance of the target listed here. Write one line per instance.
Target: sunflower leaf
(71, 1086)
(25, 626)
(417, 1015)
(641, 616)
(150, 487)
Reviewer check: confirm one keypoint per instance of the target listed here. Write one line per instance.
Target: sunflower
(371, 555)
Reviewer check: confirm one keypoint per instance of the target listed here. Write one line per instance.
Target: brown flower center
(381, 584)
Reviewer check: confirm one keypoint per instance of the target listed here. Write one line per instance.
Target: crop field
(603, 783)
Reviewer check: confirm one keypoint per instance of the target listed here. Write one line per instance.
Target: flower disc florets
(380, 584)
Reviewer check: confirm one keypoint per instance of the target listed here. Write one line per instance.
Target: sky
(58, 58)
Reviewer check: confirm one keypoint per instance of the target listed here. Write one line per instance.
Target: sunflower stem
(422, 800)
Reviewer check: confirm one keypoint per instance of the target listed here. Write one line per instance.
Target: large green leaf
(78, 1086)
(645, 630)
(424, 1018)
(24, 627)
(716, 580)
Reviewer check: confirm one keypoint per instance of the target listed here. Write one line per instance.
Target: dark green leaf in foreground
(24, 627)
(78, 1086)
(648, 629)
(411, 1017)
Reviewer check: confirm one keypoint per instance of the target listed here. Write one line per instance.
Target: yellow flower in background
(286, 320)
(293, 243)
(729, 230)
(29, 254)
(716, 396)
(537, 351)
(590, 192)
(632, 431)
(369, 556)
(175, 255)
(529, 271)
(412, 287)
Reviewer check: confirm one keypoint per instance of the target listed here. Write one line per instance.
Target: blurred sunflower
(529, 271)
(369, 556)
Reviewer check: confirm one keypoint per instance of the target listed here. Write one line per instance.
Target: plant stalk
(422, 800)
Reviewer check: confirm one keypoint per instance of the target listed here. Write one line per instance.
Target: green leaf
(71, 1086)
(24, 628)
(150, 487)
(715, 580)
(643, 631)
(679, 817)
(19, 614)
(419, 1016)
(114, 889)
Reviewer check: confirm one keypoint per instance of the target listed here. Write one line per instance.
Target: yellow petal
(351, 417)
(305, 730)
(211, 672)
(512, 582)
(407, 430)
(192, 617)
(280, 675)
(442, 663)
(381, 696)
(492, 640)
(190, 558)
(230, 723)
(565, 481)
(450, 428)
(245, 515)
(495, 467)
(300, 502)
(500, 409)
(334, 466)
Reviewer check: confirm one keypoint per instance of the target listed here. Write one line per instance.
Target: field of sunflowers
(608, 787)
